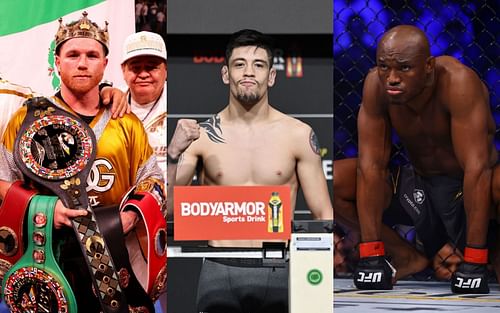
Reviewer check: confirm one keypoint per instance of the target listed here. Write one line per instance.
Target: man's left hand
(129, 219)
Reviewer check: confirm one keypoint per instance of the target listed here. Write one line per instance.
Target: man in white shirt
(144, 67)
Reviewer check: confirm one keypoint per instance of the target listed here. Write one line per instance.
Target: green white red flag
(28, 28)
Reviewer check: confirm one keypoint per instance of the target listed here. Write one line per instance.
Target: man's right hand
(472, 275)
(470, 278)
(186, 132)
(373, 271)
(63, 215)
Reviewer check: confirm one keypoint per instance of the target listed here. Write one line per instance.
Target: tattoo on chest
(213, 129)
(313, 140)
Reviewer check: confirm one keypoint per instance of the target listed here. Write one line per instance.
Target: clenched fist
(186, 132)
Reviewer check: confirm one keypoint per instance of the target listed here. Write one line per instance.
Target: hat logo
(144, 43)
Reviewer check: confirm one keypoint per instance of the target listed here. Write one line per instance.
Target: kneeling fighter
(440, 110)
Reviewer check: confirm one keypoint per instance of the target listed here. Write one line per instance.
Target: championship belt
(151, 231)
(56, 149)
(108, 219)
(12, 213)
(36, 283)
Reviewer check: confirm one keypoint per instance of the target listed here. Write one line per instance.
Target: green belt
(36, 283)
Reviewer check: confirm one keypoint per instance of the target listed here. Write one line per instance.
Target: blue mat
(414, 296)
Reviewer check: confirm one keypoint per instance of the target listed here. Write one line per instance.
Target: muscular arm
(186, 167)
(181, 173)
(471, 130)
(312, 179)
(374, 140)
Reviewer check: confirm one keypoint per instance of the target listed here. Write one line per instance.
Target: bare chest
(250, 158)
(428, 129)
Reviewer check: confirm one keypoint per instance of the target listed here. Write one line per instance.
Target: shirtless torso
(274, 151)
(426, 131)
(251, 143)
(444, 122)
(439, 109)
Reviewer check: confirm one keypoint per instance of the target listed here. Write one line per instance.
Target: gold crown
(83, 28)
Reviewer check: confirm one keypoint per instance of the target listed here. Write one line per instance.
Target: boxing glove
(472, 275)
(373, 271)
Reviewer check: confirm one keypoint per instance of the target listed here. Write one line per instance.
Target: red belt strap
(12, 213)
(152, 233)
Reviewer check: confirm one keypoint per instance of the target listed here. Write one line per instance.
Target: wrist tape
(371, 248)
(474, 255)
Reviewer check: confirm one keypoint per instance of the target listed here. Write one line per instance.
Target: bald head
(405, 38)
(404, 64)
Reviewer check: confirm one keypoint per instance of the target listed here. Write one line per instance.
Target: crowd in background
(151, 16)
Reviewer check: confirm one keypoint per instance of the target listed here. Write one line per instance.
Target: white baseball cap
(144, 43)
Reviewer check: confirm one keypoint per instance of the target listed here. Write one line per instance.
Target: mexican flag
(27, 32)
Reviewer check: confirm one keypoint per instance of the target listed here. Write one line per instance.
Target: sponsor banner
(232, 212)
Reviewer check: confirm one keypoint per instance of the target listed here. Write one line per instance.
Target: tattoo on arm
(213, 128)
(313, 140)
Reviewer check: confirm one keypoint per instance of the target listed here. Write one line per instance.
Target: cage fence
(466, 30)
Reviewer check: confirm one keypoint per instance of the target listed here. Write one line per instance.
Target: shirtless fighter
(249, 143)
(440, 110)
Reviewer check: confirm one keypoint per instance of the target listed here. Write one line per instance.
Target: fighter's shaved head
(404, 62)
(405, 36)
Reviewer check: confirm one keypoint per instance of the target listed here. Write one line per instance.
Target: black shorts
(238, 286)
(433, 205)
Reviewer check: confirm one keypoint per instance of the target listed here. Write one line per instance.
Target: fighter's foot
(496, 267)
(346, 251)
(339, 257)
(412, 263)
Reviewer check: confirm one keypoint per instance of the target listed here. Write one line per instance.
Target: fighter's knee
(495, 185)
(344, 179)
(495, 192)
